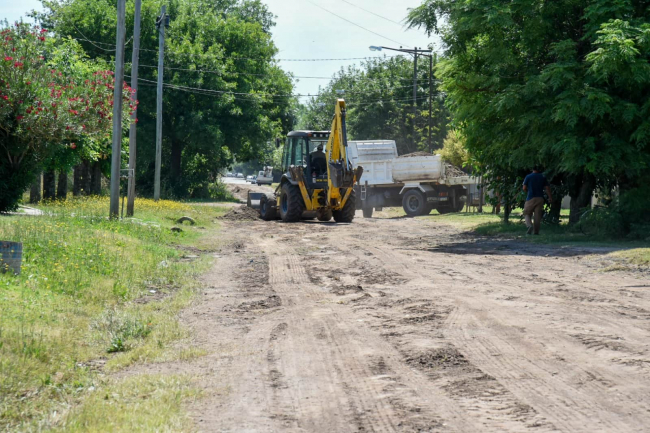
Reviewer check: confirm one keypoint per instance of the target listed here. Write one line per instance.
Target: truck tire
(291, 203)
(324, 215)
(268, 209)
(415, 203)
(346, 215)
(367, 212)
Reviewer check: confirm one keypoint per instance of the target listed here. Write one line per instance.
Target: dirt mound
(453, 171)
(241, 213)
(414, 154)
(270, 302)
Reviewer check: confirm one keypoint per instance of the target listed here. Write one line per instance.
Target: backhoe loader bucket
(254, 199)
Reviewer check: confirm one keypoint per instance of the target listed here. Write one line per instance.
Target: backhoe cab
(318, 179)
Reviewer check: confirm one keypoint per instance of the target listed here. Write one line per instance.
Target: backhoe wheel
(346, 215)
(268, 209)
(324, 215)
(291, 203)
(414, 203)
(367, 212)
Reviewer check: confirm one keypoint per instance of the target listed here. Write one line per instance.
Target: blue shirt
(535, 182)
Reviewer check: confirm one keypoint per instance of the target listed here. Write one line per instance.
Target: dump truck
(265, 177)
(318, 178)
(418, 182)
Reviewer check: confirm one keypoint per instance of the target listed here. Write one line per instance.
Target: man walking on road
(535, 184)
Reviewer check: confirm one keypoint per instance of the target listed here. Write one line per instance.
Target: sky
(305, 30)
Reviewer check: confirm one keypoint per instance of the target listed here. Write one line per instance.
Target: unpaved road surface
(409, 325)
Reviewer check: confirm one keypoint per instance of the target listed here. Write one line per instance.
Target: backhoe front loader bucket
(254, 199)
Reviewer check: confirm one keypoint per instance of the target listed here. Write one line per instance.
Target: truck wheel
(324, 215)
(367, 212)
(268, 210)
(291, 203)
(415, 203)
(346, 215)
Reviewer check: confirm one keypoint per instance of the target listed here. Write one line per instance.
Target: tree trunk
(580, 198)
(62, 190)
(85, 178)
(96, 178)
(36, 190)
(76, 185)
(49, 185)
(556, 207)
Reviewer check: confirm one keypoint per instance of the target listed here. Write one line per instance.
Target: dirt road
(409, 325)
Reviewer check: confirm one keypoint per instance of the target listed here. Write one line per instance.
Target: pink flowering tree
(51, 99)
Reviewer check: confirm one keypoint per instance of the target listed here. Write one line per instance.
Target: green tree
(46, 105)
(454, 150)
(224, 95)
(563, 84)
(379, 96)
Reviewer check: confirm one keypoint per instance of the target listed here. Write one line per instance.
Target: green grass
(81, 305)
(144, 403)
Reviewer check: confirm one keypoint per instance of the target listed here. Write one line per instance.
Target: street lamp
(415, 52)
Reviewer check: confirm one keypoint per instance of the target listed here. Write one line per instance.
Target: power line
(221, 73)
(355, 24)
(375, 14)
(242, 96)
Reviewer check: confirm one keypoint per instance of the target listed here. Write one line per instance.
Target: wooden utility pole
(161, 53)
(135, 61)
(117, 111)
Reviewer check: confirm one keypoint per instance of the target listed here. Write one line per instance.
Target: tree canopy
(51, 100)
(224, 97)
(563, 84)
(379, 95)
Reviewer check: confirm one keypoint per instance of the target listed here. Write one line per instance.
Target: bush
(602, 222)
(218, 191)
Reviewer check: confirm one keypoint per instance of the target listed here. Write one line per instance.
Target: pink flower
(73, 146)
(20, 117)
(18, 64)
(8, 59)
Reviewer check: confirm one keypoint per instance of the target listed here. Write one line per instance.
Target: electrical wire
(355, 24)
(375, 14)
(253, 96)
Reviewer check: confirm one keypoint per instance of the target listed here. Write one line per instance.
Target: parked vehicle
(240, 175)
(265, 177)
(418, 182)
(228, 174)
(250, 179)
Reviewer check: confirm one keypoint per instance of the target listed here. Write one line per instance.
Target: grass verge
(94, 296)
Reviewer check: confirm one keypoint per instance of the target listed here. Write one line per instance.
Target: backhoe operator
(318, 161)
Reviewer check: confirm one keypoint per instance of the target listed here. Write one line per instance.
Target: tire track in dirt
(351, 382)
(485, 357)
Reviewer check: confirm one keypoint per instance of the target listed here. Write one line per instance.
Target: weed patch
(75, 302)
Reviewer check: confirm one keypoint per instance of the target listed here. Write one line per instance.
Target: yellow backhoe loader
(317, 177)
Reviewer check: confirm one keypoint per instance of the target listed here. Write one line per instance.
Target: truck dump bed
(382, 166)
(418, 169)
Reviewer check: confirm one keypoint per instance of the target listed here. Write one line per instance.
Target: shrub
(49, 98)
